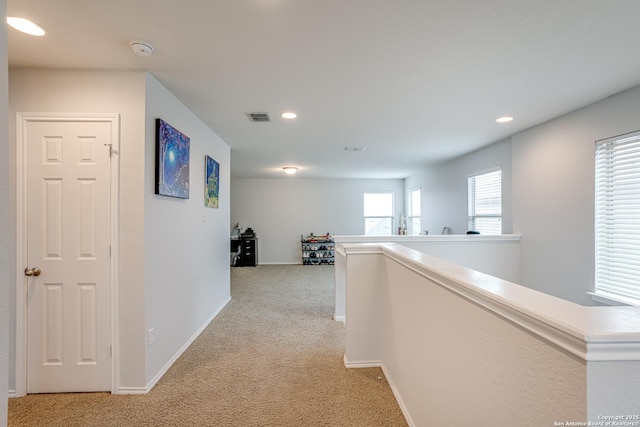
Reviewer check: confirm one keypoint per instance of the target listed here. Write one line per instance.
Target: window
(378, 214)
(414, 221)
(617, 215)
(485, 202)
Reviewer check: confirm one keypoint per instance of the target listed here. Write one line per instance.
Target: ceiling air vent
(358, 148)
(259, 117)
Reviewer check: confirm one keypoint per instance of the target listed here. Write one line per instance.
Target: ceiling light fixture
(504, 119)
(289, 115)
(26, 26)
(290, 170)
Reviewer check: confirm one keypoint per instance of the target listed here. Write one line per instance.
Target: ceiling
(416, 82)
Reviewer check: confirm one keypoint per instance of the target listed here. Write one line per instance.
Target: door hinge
(112, 151)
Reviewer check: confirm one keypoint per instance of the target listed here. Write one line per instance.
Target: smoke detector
(141, 48)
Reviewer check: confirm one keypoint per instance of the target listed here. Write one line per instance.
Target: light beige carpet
(272, 357)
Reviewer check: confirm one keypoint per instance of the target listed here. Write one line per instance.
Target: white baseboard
(11, 394)
(160, 374)
(361, 363)
(133, 390)
(280, 263)
(342, 319)
(396, 393)
(394, 389)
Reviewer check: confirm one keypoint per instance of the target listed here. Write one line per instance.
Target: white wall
(187, 272)
(280, 210)
(36, 90)
(177, 300)
(548, 192)
(553, 194)
(444, 188)
(456, 363)
(7, 244)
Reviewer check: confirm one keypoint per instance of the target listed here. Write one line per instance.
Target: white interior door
(68, 256)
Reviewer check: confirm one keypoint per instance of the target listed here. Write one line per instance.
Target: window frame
(472, 205)
(411, 215)
(616, 219)
(390, 217)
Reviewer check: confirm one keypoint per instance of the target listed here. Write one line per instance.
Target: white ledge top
(427, 238)
(592, 333)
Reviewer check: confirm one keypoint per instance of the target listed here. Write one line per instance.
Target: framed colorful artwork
(172, 161)
(211, 182)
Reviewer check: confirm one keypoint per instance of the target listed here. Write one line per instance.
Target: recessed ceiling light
(290, 170)
(504, 119)
(289, 115)
(26, 26)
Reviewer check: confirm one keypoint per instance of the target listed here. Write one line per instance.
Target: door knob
(33, 271)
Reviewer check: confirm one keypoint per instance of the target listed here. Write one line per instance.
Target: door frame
(23, 119)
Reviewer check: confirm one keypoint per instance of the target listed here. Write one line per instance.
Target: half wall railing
(462, 347)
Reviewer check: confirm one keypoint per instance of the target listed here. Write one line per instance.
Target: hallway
(272, 357)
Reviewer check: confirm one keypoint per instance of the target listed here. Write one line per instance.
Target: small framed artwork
(211, 182)
(172, 161)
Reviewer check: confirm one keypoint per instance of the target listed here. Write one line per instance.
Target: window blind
(617, 215)
(485, 202)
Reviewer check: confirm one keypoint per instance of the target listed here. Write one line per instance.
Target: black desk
(246, 250)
